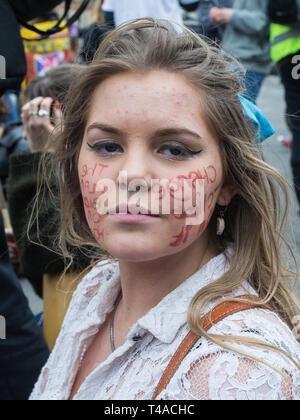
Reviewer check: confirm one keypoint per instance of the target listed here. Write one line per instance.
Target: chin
(132, 254)
(133, 251)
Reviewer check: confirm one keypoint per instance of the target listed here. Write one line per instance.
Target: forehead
(156, 97)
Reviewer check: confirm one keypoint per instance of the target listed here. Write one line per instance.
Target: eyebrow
(104, 127)
(159, 133)
(176, 132)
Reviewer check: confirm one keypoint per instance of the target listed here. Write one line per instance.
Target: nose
(135, 171)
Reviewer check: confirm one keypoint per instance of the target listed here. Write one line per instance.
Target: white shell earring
(221, 224)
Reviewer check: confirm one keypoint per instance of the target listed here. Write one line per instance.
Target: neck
(145, 284)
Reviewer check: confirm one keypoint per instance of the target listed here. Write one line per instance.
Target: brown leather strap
(218, 313)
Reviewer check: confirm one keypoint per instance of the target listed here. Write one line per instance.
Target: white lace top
(133, 371)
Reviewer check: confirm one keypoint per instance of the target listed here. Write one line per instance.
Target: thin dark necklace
(112, 319)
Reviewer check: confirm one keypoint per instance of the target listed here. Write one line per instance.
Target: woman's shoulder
(261, 324)
(100, 273)
(244, 370)
(94, 289)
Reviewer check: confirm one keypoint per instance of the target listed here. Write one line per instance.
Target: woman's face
(148, 127)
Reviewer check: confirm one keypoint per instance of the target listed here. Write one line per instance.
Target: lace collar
(102, 286)
(165, 319)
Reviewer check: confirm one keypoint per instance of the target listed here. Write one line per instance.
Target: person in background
(246, 38)
(91, 37)
(117, 12)
(11, 142)
(4, 112)
(97, 14)
(108, 13)
(11, 44)
(24, 351)
(285, 52)
(93, 34)
(191, 21)
(41, 115)
(12, 98)
(212, 29)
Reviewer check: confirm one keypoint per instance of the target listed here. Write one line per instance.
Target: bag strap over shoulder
(216, 315)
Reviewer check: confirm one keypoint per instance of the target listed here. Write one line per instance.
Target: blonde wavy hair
(255, 221)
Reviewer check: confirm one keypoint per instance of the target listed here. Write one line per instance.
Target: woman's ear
(226, 195)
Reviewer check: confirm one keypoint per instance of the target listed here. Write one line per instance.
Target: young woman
(159, 105)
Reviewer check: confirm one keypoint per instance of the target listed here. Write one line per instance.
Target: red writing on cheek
(179, 216)
(87, 188)
(209, 174)
(186, 231)
(96, 170)
(90, 202)
(94, 218)
(89, 178)
(98, 234)
(209, 198)
(183, 236)
(204, 225)
(212, 174)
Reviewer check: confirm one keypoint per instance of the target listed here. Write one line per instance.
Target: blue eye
(176, 151)
(105, 148)
(169, 151)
